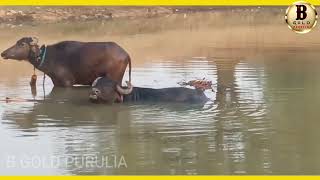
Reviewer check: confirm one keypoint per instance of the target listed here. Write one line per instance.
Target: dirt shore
(32, 15)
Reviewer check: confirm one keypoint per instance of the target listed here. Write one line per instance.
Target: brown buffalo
(72, 62)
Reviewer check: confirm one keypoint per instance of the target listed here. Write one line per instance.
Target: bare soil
(32, 15)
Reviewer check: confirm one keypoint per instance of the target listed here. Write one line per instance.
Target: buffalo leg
(63, 78)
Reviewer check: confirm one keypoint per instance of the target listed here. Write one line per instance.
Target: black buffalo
(105, 90)
(71, 62)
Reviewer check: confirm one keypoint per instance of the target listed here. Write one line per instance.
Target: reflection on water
(262, 117)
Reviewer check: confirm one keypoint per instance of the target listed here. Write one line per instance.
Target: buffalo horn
(127, 90)
(34, 41)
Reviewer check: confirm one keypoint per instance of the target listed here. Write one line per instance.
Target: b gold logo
(301, 17)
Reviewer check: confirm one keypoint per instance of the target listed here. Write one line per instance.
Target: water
(262, 117)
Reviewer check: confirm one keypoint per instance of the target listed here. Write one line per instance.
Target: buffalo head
(104, 90)
(24, 49)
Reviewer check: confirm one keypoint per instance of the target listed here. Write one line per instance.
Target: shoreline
(32, 15)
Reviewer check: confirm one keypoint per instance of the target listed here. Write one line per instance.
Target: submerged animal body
(72, 62)
(105, 90)
(173, 94)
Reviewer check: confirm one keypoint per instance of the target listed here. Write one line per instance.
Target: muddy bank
(32, 15)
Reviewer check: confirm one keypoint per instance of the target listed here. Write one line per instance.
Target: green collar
(42, 56)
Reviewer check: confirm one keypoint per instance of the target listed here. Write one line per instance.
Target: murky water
(263, 117)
